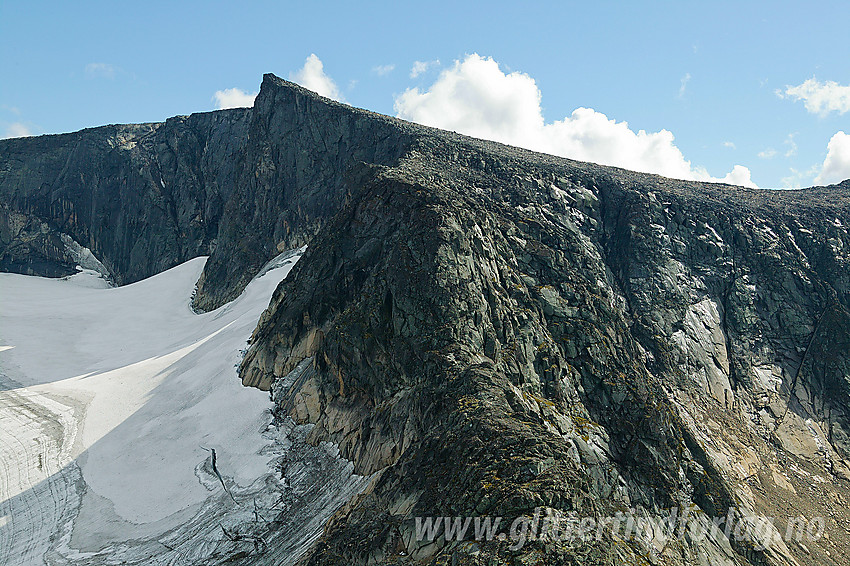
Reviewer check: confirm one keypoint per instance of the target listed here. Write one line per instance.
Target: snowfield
(111, 401)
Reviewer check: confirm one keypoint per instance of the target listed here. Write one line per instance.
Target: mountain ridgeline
(239, 185)
(484, 330)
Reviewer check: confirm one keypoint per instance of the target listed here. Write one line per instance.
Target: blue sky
(759, 85)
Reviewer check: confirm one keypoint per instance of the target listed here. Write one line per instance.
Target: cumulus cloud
(819, 98)
(729, 144)
(739, 175)
(382, 70)
(836, 166)
(420, 67)
(233, 98)
(476, 98)
(312, 75)
(768, 153)
(17, 130)
(101, 70)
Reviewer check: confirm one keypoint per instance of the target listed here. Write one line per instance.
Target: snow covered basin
(132, 388)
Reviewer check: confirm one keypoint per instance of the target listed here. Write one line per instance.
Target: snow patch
(110, 399)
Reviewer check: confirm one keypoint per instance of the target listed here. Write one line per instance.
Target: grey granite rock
(142, 198)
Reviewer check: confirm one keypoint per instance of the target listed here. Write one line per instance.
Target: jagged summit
(184, 187)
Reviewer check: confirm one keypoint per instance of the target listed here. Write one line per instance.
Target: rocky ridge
(494, 332)
(142, 198)
(240, 185)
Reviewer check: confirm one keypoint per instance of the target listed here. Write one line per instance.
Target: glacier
(111, 401)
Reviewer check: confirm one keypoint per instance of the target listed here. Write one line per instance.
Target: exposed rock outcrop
(487, 331)
(495, 332)
(240, 185)
(142, 198)
(304, 157)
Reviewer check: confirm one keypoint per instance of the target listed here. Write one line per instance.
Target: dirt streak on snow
(109, 398)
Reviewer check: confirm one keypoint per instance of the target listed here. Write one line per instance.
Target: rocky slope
(303, 158)
(496, 332)
(142, 198)
(486, 331)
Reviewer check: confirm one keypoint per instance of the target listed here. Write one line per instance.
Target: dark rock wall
(303, 157)
(143, 198)
(30, 247)
(241, 185)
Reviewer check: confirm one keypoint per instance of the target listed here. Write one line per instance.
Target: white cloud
(770, 153)
(836, 166)
(17, 130)
(739, 175)
(792, 146)
(420, 67)
(729, 144)
(797, 178)
(233, 98)
(684, 84)
(820, 98)
(312, 75)
(103, 70)
(382, 70)
(476, 98)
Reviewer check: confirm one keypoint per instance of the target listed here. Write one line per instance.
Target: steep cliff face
(142, 198)
(240, 185)
(493, 332)
(304, 156)
(486, 331)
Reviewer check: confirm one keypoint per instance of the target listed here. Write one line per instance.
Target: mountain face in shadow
(486, 331)
(241, 185)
